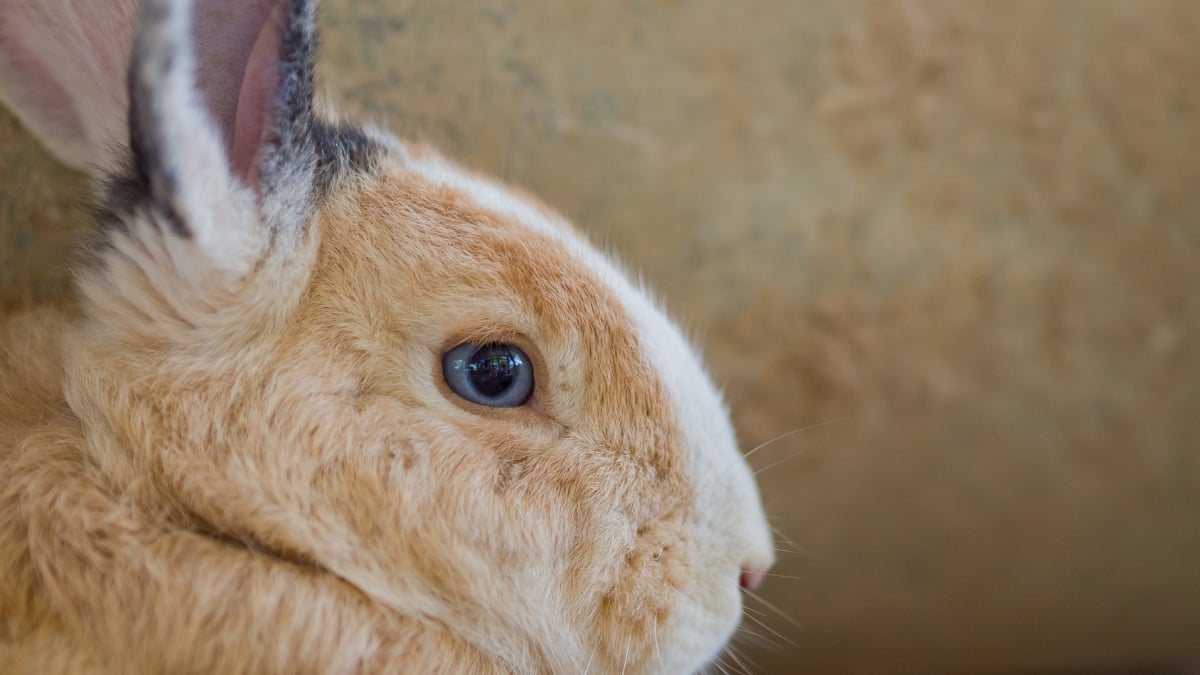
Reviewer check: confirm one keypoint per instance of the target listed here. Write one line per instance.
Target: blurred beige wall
(964, 233)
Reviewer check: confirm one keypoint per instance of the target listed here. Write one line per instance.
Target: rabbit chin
(702, 634)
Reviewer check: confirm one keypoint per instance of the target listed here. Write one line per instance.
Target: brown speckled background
(968, 230)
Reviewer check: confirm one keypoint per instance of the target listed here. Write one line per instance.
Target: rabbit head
(323, 348)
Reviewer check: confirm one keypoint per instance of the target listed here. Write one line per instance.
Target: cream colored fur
(241, 457)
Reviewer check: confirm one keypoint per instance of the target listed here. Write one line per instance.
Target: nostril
(751, 579)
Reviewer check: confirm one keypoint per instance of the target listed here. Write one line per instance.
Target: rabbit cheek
(634, 614)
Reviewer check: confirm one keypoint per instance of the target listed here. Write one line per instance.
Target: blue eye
(495, 375)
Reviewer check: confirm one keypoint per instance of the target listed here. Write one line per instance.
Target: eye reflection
(497, 375)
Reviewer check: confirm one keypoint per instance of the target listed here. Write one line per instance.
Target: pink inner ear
(62, 72)
(41, 91)
(256, 99)
(237, 57)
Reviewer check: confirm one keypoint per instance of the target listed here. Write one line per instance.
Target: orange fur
(320, 450)
(261, 470)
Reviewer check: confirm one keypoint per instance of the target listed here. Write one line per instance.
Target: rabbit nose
(751, 578)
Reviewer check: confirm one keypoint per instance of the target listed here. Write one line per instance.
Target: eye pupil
(496, 375)
(493, 369)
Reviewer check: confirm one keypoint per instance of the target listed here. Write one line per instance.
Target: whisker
(749, 660)
(777, 462)
(774, 632)
(737, 658)
(761, 641)
(657, 653)
(788, 551)
(625, 664)
(746, 631)
(722, 656)
(781, 576)
(793, 432)
(788, 540)
(778, 611)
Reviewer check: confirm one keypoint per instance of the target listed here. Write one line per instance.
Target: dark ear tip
(157, 17)
(155, 54)
(162, 28)
(297, 46)
(302, 16)
(301, 20)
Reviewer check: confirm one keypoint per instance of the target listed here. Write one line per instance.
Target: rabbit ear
(221, 102)
(62, 73)
(215, 106)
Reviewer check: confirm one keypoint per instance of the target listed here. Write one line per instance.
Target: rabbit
(330, 403)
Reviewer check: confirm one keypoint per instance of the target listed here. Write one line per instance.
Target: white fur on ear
(211, 99)
(215, 205)
(178, 148)
(221, 121)
(62, 73)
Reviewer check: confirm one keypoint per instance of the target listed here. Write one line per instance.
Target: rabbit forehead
(695, 406)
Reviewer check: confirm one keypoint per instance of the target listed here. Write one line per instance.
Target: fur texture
(242, 457)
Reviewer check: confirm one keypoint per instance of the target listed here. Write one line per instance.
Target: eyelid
(485, 333)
